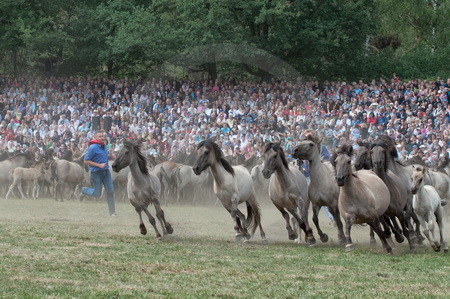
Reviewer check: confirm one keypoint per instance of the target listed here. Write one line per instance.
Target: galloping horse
(426, 202)
(143, 186)
(363, 196)
(232, 185)
(398, 192)
(288, 189)
(323, 190)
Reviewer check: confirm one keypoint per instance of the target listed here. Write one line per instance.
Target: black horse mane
(212, 146)
(390, 145)
(383, 145)
(142, 161)
(276, 147)
(443, 164)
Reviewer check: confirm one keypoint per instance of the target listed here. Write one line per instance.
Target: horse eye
(348, 162)
(311, 145)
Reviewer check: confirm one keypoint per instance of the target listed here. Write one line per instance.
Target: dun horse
(363, 197)
(398, 192)
(323, 190)
(288, 190)
(427, 202)
(143, 187)
(18, 160)
(232, 186)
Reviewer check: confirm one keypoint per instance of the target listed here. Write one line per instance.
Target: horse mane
(392, 149)
(441, 166)
(212, 146)
(26, 154)
(414, 160)
(344, 148)
(383, 145)
(311, 135)
(142, 161)
(364, 143)
(276, 147)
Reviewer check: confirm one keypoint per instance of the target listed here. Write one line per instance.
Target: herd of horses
(373, 188)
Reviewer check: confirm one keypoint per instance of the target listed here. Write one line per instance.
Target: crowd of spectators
(172, 116)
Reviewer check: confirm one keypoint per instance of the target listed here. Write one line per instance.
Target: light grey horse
(288, 190)
(143, 187)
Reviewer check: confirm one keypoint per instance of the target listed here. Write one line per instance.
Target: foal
(426, 202)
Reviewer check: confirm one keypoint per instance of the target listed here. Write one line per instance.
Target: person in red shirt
(371, 119)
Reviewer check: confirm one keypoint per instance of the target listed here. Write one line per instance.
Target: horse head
(363, 159)
(417, 178)
(379, 153)
(209, 153)
(274, 159)
(129, 153)
(342, 162)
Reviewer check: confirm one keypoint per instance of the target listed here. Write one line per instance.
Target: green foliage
(326, 39)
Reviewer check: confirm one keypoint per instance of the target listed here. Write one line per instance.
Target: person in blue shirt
(97, 159)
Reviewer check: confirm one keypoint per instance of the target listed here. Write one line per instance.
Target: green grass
(74, 249)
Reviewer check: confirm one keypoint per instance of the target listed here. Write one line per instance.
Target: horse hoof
(292, 236)
(169, 228)
(158, 236)
(349, 247)
(373, 242)
(311, 241)
(143, 229)
(399, 238)
(446, 250)
(264, 240)
(239, 237)
(324, 238)
(246, 241)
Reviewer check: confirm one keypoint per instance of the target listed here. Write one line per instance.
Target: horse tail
(253, 214)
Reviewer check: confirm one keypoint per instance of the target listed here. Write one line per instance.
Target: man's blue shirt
(99, 154)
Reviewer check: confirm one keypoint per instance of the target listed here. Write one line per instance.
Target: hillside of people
(173, 116)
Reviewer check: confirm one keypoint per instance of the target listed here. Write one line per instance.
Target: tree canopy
(323, 39)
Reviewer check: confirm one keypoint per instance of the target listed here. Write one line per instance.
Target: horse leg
(349, 220)
(372, 237)
(167, 228)
(310, 240)
(292, 235)
(234, 214)
(432, 228)
(152, 221)
(398, 232)
(377, 228)
(19, 185)
(308, 232)
(340, 227)
(425, 230)
(11, 187)
(141, 222)
(440, 223)
(403, 223)
(323, 236)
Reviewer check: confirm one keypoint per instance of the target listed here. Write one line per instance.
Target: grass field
(73, 249)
